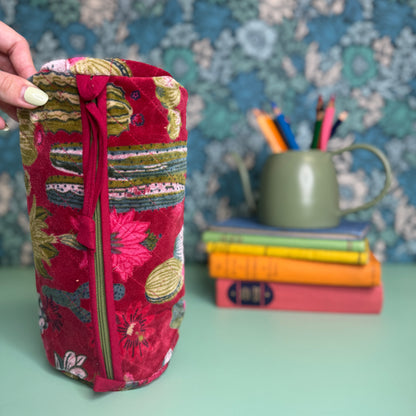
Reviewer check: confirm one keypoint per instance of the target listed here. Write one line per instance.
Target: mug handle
(387, 170)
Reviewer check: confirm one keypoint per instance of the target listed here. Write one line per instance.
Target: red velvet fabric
(105, 169)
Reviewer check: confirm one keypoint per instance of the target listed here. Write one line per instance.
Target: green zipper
(100, 294)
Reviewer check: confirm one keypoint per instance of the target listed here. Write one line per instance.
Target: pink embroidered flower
(127, 237)
(71, 363)
(134, 330)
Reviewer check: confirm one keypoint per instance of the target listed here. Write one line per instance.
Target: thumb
(18, 92)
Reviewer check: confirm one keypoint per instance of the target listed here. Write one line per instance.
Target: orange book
(277, 269)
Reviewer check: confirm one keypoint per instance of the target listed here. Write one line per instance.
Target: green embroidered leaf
(43, 249)
(71, 241)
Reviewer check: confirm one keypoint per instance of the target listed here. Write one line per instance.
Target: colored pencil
(270, 131)
(327, 124)
(284, 128)
(341, 118)
(318, 122)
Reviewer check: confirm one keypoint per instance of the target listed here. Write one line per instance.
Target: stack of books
(324, 270)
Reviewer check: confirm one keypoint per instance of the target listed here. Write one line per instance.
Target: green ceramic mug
(299, 189)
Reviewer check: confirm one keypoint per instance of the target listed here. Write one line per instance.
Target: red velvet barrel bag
(105, 168)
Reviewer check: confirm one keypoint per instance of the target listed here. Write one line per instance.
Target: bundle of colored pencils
(279, 136)
(324, 127)
(276, 130)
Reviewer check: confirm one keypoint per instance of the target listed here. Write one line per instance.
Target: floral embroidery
(49, 314)
(134, 330)
(137, 119)
(43, 250)
(43, 320)
(178, 312)
(135, 95)
(130, 382)
(71, 364)
(127, 238)
(38, 134)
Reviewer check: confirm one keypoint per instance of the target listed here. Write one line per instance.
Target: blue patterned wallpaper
(232, 56)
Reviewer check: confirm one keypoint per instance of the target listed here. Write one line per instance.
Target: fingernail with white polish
(35, 96)
(5, 128)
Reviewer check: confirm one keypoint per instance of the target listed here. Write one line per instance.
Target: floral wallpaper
(236, 55)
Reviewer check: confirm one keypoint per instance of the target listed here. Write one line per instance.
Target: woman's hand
(16, 65)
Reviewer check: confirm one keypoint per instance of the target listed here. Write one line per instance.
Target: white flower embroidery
(71, 363)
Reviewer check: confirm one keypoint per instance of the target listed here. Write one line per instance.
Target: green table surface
(232, 361)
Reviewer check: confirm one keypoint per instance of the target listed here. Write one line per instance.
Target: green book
(348, 236)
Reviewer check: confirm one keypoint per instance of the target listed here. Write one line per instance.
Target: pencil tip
(320, 104)
(343, 115)
(277, 111)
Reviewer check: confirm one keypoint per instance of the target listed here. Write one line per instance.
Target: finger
(18, 92)
(6, 65)
(10, 110)
(17, 48)
(3, 125)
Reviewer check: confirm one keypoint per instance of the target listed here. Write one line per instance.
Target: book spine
(294, 297)
(277, 269)
(266, 240)
(330, 256)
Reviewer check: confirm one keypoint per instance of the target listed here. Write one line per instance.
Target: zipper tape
(92, 91)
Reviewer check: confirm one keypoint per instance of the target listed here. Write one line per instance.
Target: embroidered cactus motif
(146, 177)
(165, 281)
(169, 94)
(61, 112)
(72, 300)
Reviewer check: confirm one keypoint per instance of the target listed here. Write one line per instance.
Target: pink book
(297, 297)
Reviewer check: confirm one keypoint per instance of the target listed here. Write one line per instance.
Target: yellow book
(311, 254)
